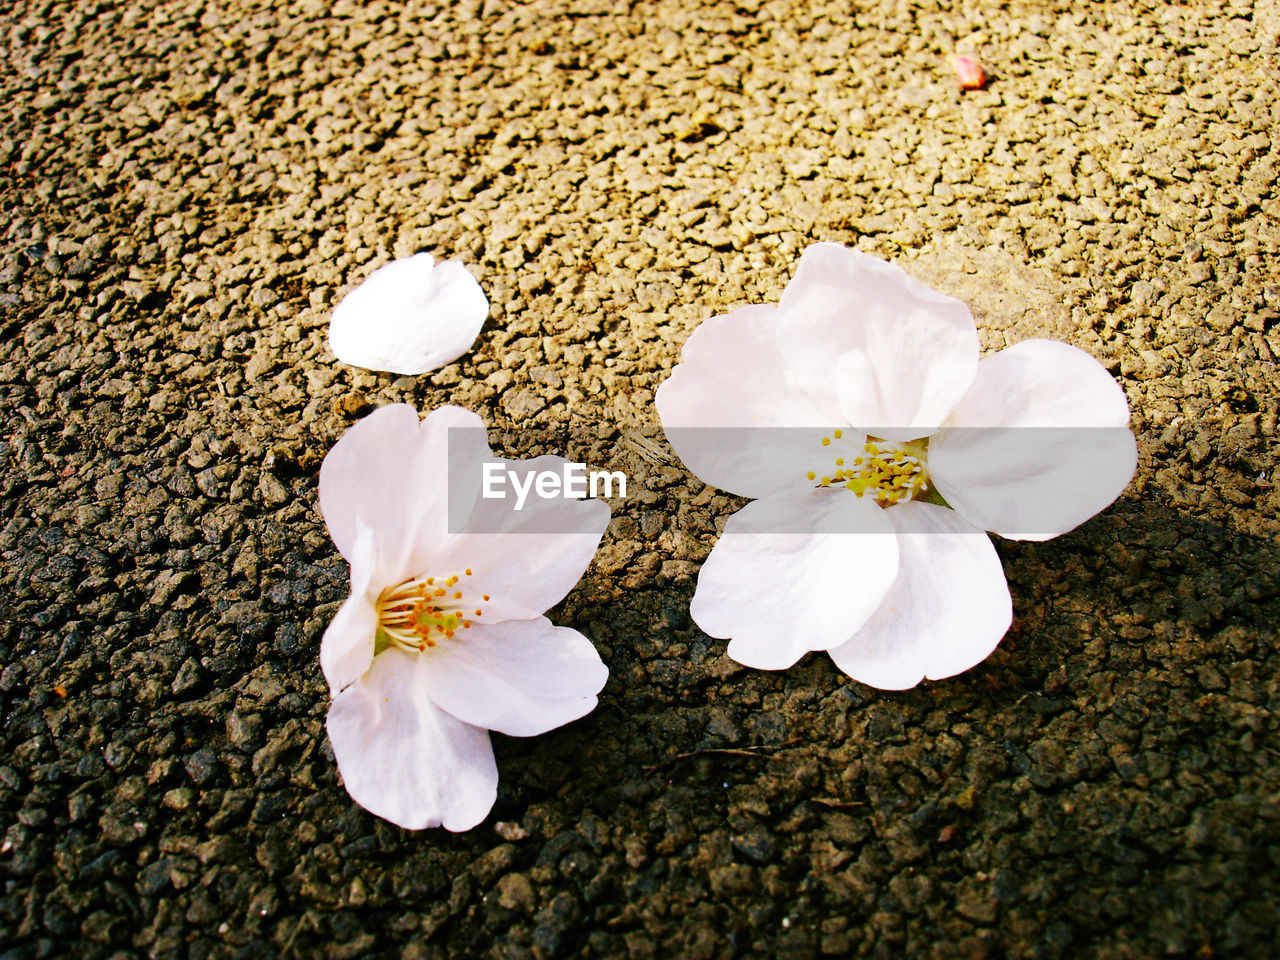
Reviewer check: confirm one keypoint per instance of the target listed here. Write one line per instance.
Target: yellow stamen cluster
(417, 614)
(889, 472)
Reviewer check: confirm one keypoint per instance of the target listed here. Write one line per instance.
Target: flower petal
(409, 316)
(522, 677)
(346, 649)
(1039, 445)
(787, 577)
(1042, 383)
(526, 560)
(731, 374)
(898, 354)
(730, 412)
(398, 474)
(402, 757)
(362, 475)
(945, 612)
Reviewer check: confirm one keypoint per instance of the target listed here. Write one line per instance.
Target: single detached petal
(945, 612)
(969, 72)
(394, 473)
(898, 354)
(730, 412)
(787, 576)
(1039, 445)
(526, 560)
(409, 316)
(402, 757)
(346, 649)
(521, 678)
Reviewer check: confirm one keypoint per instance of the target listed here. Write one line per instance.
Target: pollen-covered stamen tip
(419, 613)
(889, 472)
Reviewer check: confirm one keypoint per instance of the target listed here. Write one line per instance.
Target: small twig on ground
(756, 752)
(838, 804)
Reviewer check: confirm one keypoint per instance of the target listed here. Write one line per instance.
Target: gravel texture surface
(190, 187)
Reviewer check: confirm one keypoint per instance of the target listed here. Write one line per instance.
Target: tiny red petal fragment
(60, 690)
(969, 73)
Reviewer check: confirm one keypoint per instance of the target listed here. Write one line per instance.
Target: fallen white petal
(1039, 445)
(403, 758)
(1041, 383)
(393, 472)
(526, 560)
(778, 595)
(898, 355)
(730, 412)
(346, 649)
(520, 678)
(409, 316)
(946, 611)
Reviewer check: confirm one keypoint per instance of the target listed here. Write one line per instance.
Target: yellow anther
(839, 434)
(826, 441)
(811, 475)
(890, 472)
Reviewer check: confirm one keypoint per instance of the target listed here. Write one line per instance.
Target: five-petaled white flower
(879, 448)
(409, 316)
(443, 638)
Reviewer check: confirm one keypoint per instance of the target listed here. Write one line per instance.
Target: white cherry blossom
(409, 316)
(442, 638)
(880, 447)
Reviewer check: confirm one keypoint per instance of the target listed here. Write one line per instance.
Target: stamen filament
(415, 615)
